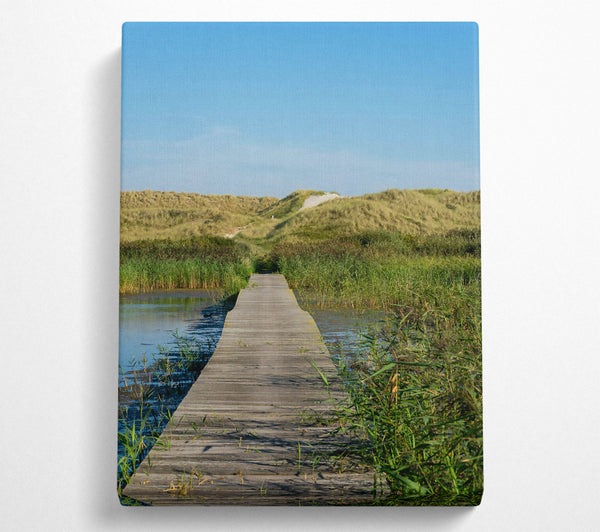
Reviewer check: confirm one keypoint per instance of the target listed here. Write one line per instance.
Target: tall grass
(145, 275)
(417, 396)
(377, 272)
(191, 263)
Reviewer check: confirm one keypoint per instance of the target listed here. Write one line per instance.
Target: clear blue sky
(268, 108)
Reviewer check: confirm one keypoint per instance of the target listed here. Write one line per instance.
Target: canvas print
(300, 269)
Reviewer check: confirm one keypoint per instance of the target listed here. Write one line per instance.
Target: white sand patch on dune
(314, 200)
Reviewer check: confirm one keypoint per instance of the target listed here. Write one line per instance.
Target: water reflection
(149, 320)
(343, 330)
(165, 340)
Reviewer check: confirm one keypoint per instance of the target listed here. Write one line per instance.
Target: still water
(343, 329)
(147, 321)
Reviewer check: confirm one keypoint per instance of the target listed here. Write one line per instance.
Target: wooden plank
(254, 428)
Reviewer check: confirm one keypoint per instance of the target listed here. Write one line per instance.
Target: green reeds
(380, 270)
(363, 282)
(416, 395)
(196, 263)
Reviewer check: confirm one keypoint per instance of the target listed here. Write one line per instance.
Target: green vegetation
(201, 262)
(417, 394)
(381, 271)
(416, 388)
(171, 240)
(418, 398)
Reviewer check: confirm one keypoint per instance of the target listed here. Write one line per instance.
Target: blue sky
(268, 108)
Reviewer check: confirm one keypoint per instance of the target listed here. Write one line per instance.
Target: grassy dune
(400, 211)
(173, 240)
(289, 205)
(148, 214)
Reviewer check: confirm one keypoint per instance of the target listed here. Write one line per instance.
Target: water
(149, 320)
(153, 380)
(343, 330)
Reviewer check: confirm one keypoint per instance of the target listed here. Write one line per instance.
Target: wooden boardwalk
(252, 429)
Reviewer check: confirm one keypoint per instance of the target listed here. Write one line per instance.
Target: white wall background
(59, 171)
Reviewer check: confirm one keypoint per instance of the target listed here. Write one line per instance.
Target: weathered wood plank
(253, 429)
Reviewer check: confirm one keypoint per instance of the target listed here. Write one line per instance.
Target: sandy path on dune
(314, 200)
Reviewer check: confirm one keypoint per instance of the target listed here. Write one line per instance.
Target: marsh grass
(195, 263)
(417, 396)
(382, 270)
